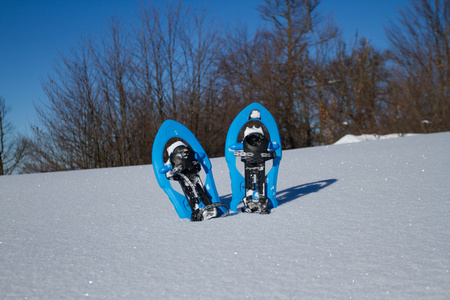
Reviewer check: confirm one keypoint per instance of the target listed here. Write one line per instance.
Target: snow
(174, 146)
(365, 220)
(251, 130)
(350, 138)
(255, 114)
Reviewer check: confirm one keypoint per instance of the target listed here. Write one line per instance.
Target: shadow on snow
(292, 193)
(298, 191)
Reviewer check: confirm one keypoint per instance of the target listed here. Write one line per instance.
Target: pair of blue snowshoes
(186, 158)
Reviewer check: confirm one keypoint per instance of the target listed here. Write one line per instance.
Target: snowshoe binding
(254, 155)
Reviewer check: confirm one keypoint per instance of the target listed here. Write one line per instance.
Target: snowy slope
(350, 138)
(364, 220)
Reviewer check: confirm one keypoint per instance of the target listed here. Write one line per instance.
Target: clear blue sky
(33, 32)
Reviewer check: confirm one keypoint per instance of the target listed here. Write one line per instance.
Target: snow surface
(350, 138)
(355, 221)
(254, 129)
(173, 146)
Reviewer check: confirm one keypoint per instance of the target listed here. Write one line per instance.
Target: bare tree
(200, 45)
(12, 149)
(176, 50)
(72, 129)
(109, 96)
(113, 61)
(295, 31)
(156, 45)
(353, 92)
(421, 50)
(239, 66)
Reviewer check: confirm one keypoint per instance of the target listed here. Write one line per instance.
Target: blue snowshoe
(200, 201)
(256, 190)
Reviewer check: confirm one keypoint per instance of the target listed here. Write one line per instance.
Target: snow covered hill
(355, 221)
(350, 138)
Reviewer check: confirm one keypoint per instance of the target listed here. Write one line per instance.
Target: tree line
(109, 95)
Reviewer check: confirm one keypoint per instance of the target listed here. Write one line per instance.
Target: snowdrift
(364, 220)
(350, 138)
